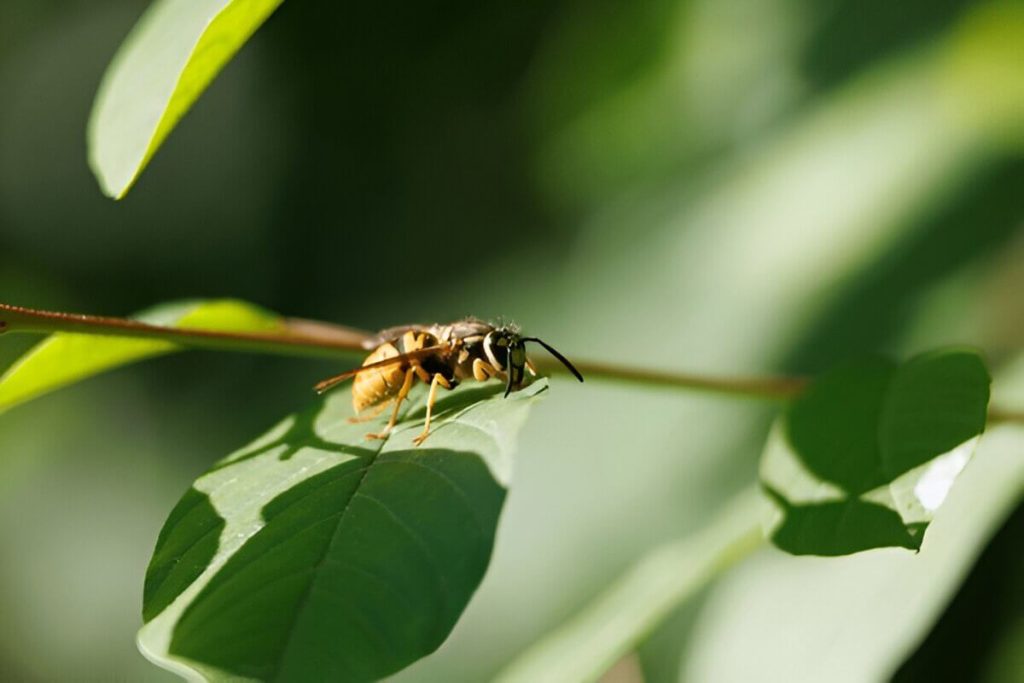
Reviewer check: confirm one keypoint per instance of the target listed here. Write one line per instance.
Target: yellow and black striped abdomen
(373, 387)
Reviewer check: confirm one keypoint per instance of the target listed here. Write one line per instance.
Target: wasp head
(506, 350)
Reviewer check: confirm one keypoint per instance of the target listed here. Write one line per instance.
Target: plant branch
(752, 387)
(997, 414)
(295, 337)
(298, 337)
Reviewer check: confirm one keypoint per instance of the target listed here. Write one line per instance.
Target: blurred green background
(723, 186)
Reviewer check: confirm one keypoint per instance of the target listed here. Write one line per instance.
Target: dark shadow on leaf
(867, 422)
(359, 570)
(839, 527)
(301, 433)
(188, 541)
(833, 426)
(937, 401)
(449, 403)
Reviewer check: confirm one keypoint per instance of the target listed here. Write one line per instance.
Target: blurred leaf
(171, 56)
(314, 554)
(867, 454)
(662, 650)
(877, 155)
(65, 358)
(983, 68)
(978, 636)
(854, 618)
(616, 622)
(850, 36)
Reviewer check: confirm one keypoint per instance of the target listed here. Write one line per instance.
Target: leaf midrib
(304, 600)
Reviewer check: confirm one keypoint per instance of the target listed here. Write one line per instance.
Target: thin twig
(293, 338)
(753, 387)
(297, 337)
(997, 414)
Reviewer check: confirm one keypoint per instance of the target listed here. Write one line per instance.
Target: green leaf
(314, 554)
(172, 54)
(839, 527)
(65, 358)
(855, 618)
(867, 454)
(587, 645)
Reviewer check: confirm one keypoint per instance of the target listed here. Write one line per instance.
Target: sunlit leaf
(867, 454)
(315, 554)
(171, 56)
(65, 358)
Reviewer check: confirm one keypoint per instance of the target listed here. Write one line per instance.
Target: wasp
(438, 355)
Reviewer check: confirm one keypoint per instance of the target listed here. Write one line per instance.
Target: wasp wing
(392, 334)
(459, 329)
(326, 384)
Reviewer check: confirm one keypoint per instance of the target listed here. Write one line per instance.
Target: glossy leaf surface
(172, 54)
(866, 456)
(315, 554)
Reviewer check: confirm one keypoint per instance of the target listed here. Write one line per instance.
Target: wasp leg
(531, 367)
(421, 373)
(410, 375)
(414, 342)
(483, 371)
(372, 414)
(438, 380)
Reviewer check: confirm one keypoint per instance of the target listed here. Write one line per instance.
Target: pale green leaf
(315, 554)
(65, 358)
(612, 625)
(172, 54)
(855, 618)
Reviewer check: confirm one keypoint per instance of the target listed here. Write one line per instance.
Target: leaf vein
(418, 540)
(459, 491)
(304, 600)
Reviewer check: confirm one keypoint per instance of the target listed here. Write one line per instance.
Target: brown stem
(314, 338)
(997, 414)
(295, 337)
(754, 387)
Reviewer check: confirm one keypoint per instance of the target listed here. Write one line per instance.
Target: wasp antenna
(562, 359)
(331, 382)
(510, 371)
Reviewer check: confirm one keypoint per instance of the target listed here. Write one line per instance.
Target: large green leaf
(171, 56)
(314, 554)
(867, 454)
(65, 358)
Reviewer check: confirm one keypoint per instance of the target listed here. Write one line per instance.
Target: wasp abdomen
(378, 385)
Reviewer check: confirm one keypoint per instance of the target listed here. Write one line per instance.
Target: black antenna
(509, 370)
(564, 361)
